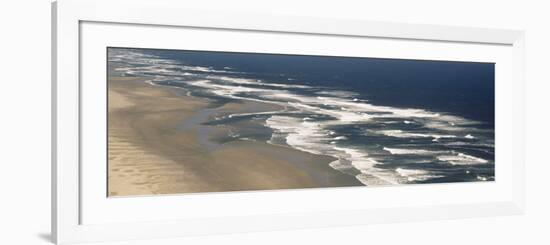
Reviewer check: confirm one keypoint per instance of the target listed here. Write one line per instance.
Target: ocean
(385, 121)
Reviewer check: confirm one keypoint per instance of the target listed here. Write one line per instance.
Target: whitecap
(400, 151)
(416, 174)
(462, 159)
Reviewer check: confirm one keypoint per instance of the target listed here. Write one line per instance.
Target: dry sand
(149, 153)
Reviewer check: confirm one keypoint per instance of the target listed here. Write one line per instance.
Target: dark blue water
(462, 88)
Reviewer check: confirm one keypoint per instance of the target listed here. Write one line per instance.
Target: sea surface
(385, 121)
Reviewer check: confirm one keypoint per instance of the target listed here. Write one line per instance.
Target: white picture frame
(68, 16)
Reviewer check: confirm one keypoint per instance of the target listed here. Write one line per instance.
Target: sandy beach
(157, 145)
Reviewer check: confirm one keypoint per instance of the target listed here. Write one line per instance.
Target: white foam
(360, 160)
(255, 113)
(397, 151)
(338, 93)
(313, 138)
(199, 68)
(387, 112)
(439, 136)
(416, 174)
(409, 172)
(462, 159)
(481, 178)
(245, 81)
(404, 134)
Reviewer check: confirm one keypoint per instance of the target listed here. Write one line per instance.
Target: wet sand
(150, 152)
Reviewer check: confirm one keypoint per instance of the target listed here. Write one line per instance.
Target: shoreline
(150, 152)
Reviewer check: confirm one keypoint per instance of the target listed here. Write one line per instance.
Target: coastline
(154, 147)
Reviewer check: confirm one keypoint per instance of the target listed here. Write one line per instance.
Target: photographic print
(184, 121)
